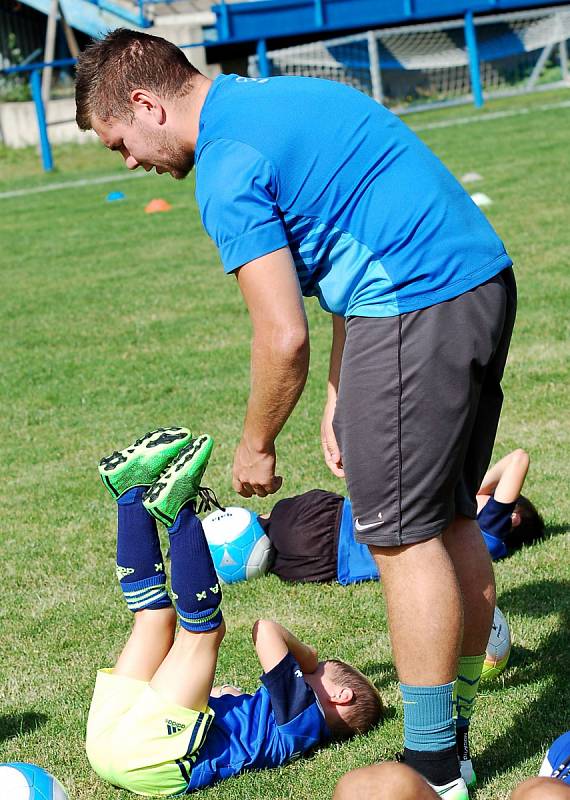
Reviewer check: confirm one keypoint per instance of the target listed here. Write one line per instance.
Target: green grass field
(115, 322)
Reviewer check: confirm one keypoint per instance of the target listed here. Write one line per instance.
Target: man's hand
(254, 471)
(331, 450)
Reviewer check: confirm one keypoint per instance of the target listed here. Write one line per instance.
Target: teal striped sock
(428, 717)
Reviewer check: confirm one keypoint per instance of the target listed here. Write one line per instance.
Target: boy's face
(330, 694)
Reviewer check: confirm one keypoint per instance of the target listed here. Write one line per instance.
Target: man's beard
(179, 161)
(175, 158)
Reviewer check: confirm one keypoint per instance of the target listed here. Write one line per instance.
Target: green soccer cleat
(142, 462)
(179, 484)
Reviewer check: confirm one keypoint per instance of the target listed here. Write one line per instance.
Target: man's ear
(515, 519)
(342, 697)
(148, 104)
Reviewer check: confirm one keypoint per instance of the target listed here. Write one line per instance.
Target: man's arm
(506, 478)
(279, 366)
(272, 643)
(329, 444)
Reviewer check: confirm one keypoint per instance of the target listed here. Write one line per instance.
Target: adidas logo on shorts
(173, 727)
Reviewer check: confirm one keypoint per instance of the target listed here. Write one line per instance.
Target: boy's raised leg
(140, 567)
(186, 675)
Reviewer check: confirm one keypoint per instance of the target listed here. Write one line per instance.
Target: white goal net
(417, 65)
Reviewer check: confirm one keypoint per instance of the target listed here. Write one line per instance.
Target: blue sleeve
(236, 193)
(495, 518)
(300, 721)
(289, 693)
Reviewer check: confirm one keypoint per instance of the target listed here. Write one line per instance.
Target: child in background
(507, 519)
(155, 725)
(313, 533)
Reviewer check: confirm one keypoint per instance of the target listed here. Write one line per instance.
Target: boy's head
(527, 526)
(350, 702)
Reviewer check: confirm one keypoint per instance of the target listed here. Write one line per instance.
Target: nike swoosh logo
(443, 792)
(360, 527)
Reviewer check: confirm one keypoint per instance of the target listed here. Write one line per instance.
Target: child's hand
(226, 688)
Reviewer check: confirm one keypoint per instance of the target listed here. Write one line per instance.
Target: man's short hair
(365, 710)
(110, 69)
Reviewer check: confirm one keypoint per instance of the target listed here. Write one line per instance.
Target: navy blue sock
(140, 567)
(195, 585)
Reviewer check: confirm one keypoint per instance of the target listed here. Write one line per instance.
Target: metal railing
(35, 70)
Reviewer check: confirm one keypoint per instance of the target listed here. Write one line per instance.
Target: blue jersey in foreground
(557, 761)
(281, 721)
(376, 224)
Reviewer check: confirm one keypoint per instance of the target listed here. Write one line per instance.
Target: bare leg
(473, 567)
(383, 782)
(424, 604)
(541, 789)
(150, 641)
(186, 675)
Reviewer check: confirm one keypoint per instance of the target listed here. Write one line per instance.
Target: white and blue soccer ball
(498, 648)
(240, 548)
(19, 781)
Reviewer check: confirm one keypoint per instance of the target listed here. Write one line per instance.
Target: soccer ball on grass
(498, 648)
(19, 781)
(240, 548)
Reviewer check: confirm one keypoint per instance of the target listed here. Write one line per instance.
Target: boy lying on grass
(155, 725)
(313, 533)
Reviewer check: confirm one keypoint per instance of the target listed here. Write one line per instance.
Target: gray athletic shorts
(417, 412)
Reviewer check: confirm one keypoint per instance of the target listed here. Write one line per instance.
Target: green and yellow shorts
(139, 741)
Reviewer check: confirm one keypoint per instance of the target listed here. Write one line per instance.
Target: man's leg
(474, 571)
(423, 598)
(389, 781)
(407, 407)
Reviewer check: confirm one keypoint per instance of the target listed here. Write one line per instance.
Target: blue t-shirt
(376, 224)
(557, 761)
(281, 721)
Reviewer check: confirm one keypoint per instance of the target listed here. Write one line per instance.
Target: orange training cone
(157, 204)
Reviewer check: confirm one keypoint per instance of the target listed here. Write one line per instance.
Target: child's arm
(272, 643)
(506, 478)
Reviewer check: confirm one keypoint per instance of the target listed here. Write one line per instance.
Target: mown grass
(114, 322)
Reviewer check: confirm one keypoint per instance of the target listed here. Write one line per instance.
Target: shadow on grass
(553, 531)
(380, 673)
(545, 717)
(12, 725)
